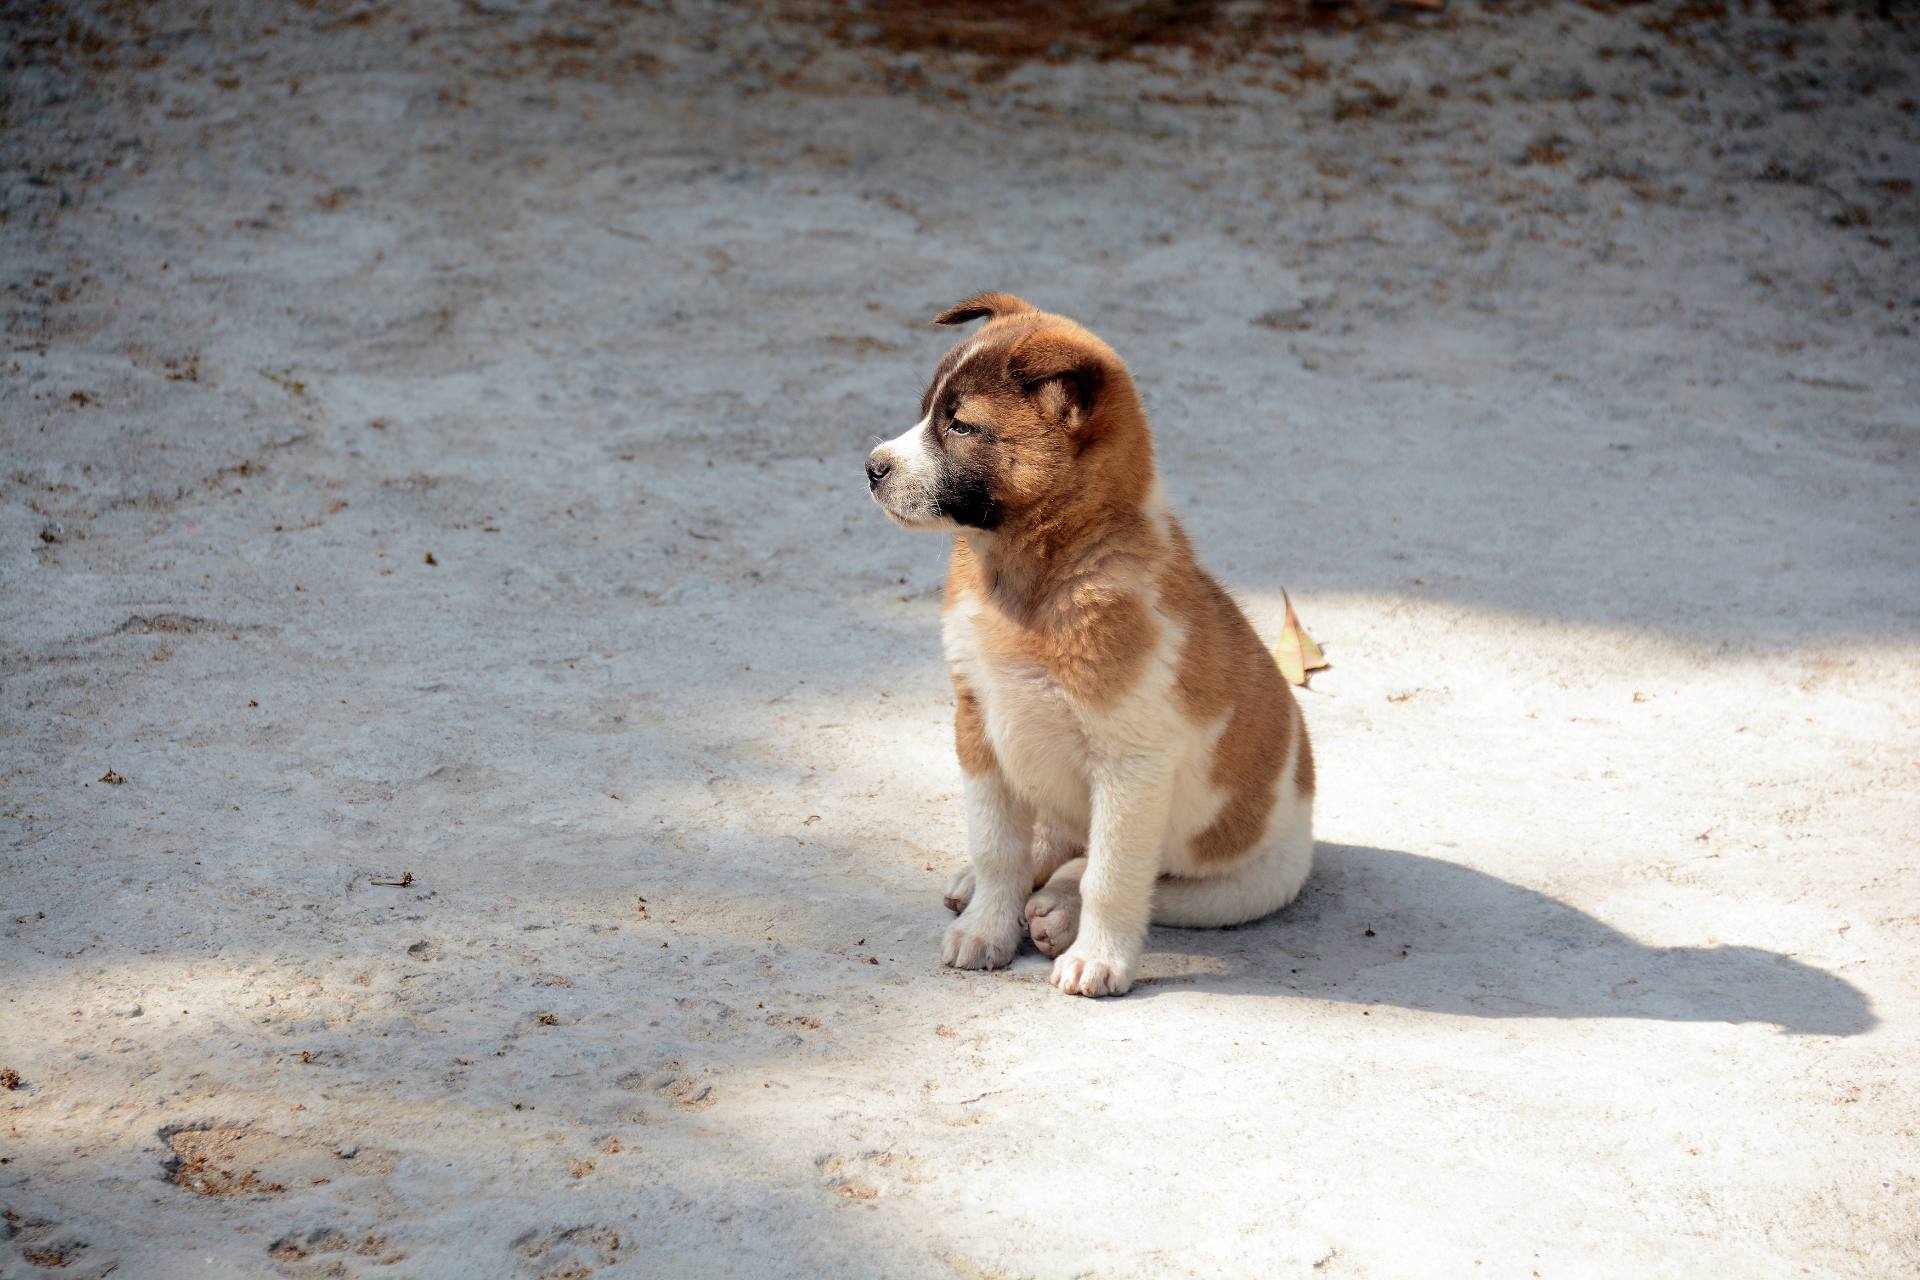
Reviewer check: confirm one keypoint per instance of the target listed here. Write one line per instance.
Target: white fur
(909, 498)
(999, 845)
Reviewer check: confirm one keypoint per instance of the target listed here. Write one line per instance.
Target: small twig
(405, 880)
(991, 1093)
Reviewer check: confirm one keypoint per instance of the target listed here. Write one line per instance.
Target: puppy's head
(1017, 418)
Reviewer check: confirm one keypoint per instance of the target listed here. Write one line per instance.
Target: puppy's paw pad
(960, 890)
(972, 945)
(1086, 975)
(1053, 920)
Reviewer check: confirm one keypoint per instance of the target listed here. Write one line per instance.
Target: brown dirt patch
(219, 1162)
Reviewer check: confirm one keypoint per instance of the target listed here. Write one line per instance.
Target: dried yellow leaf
(1296, 653)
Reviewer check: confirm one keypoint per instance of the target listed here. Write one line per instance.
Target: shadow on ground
(1382, 927)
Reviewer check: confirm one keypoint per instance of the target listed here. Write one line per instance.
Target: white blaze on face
(907, 492)
(908, 452)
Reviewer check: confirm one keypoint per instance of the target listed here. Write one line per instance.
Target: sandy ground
(432, 442)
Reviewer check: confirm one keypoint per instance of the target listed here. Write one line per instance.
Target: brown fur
(1060, 402)
(970, 732)
(994, 305)
(1093, 640)
(1226, 671)
(1303, 758)
(1071, 564)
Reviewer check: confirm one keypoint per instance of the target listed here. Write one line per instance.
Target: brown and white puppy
(1131, 751)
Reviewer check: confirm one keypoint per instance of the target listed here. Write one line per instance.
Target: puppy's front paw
(975, 941)
(960, 890)
(1081, 973)
(1053, 918)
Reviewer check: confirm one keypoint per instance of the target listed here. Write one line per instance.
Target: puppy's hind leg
(1053, 847)
(1259, 886)
(960, 889)
(1053, 912)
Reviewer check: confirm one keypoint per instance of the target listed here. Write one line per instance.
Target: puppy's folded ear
(991, 305)
(1064, 374)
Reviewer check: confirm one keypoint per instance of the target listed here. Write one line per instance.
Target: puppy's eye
(958, 428)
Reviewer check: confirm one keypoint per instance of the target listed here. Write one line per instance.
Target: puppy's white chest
(1035, 732)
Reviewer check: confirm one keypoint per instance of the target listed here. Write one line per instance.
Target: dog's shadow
(1379, 927)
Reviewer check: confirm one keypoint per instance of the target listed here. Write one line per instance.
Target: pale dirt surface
(1562, 366)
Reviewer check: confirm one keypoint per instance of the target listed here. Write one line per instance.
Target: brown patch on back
(1225, 670)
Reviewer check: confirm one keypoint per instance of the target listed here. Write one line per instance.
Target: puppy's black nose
(877, 471)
